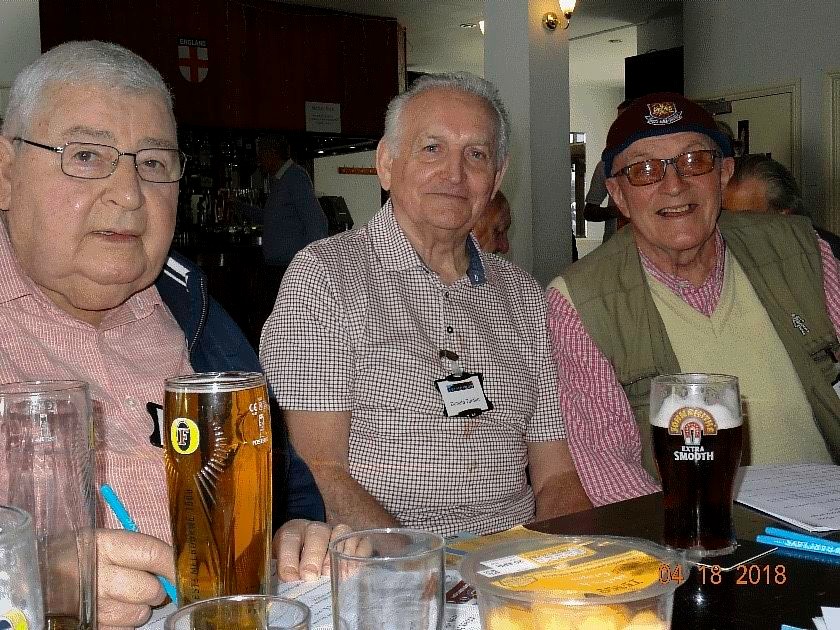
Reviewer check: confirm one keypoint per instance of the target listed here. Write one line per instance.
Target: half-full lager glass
(218, 468)
(697, 434)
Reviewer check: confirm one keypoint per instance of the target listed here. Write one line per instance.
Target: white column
(530, 66)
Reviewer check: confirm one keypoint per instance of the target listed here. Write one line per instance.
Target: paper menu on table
(831, 617)
(318, 596)
(804, 495)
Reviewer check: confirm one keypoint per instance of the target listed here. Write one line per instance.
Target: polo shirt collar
(396, 253)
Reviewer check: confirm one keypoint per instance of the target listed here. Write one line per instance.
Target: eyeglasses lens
(97, 161)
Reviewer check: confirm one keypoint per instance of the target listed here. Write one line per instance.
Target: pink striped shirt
(124, 360)
(602, 432)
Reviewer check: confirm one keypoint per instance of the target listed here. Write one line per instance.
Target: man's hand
(128, 564)
(300, 547)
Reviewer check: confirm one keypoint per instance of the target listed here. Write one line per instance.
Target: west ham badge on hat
(663, 113)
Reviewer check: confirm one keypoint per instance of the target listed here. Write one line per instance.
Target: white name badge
(463, 395)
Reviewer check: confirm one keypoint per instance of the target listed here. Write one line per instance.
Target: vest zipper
(204, 309)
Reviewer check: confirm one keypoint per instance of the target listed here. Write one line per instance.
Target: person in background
(761, 184)
(691, 289)
(291, 217)
(414, 369)
(89, 171)
(493, 224)
(592, 210)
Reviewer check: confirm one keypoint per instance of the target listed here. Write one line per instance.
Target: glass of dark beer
(696, 427)
(218, 468)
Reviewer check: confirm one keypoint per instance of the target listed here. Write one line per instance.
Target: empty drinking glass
(387, 578)
(21, 604)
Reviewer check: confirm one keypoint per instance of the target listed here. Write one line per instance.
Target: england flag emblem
(192, 59)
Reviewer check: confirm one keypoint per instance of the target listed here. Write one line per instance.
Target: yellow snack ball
(646, 620)
(604, 618)
(508, 618)
(553, 617)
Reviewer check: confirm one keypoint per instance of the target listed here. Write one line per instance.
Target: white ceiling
(436, 42)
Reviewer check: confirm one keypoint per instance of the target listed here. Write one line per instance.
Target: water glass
(21, 603)
(387, 578)
(243, 612)
(46, 447)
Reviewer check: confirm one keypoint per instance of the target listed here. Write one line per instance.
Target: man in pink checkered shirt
(85, 228)
(660, 294)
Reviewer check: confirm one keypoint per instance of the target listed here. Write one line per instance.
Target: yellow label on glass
(13, 619)
(622, 573)
(184, 436)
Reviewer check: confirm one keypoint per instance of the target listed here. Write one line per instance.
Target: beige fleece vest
(780, 259)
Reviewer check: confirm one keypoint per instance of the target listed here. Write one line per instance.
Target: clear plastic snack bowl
(575, 583)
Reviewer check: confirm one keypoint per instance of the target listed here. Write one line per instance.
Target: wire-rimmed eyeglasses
(687, 164)
(98, 161)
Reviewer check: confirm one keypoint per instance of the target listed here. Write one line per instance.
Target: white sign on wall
(323, 117)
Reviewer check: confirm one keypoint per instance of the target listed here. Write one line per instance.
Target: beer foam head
(726, 416)
(214, 382)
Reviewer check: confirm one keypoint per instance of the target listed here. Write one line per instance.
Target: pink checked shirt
(602, 432)
(124, 360)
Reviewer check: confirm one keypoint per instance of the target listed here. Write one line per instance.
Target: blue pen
(784, 533)
(110, 497)
(801, 545)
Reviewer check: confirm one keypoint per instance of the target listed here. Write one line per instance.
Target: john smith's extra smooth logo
(183, 434)
(692, 423)
(663, 113)
(13, 619)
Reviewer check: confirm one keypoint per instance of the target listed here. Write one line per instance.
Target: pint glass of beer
(696, 428)
(218, 468)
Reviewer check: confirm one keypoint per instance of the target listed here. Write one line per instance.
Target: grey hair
(460, 81)
(78, 63)
(781, 189)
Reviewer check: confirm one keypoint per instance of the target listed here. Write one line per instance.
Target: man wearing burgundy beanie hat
(686, 289)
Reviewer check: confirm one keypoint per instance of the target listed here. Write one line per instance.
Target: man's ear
(384, 160)
(727, 169)
(7, 159)
(500, 175)
(617, 196)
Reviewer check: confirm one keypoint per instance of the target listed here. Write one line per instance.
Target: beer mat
(747, 551)
(462, 544)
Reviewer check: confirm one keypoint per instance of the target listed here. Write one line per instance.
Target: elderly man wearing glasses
(89, 170)
(686, 289)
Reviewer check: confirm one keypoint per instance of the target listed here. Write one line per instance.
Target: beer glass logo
(692, 423)
(13, 619)
(183, 434)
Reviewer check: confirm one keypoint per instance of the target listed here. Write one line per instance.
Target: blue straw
(110, 497)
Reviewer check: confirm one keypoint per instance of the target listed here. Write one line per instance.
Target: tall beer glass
(697, 434)
(218, 468)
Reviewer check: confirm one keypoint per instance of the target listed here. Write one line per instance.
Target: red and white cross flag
(192, 59)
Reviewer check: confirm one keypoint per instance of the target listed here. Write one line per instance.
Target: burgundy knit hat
(660, 114)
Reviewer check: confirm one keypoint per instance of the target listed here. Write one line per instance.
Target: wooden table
(740, 599)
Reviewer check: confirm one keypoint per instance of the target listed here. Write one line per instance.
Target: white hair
(460, 81)
(78, 63)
